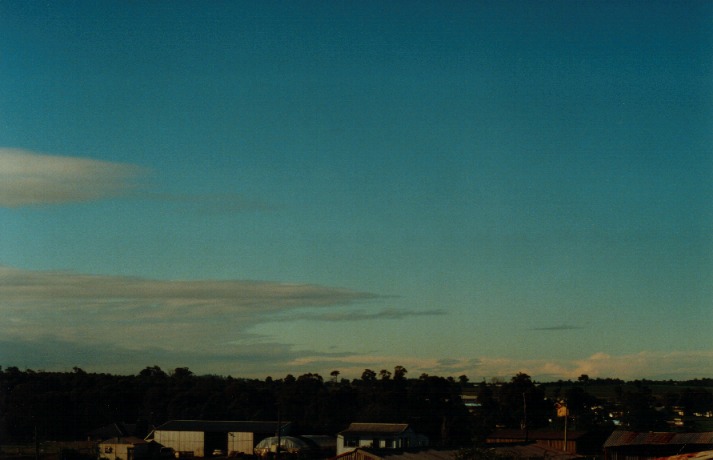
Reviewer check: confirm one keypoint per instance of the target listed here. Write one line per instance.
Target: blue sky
(264, 188)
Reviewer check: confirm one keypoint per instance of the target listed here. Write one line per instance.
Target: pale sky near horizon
(264, 188)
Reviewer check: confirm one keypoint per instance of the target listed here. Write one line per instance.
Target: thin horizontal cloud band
(24, 287)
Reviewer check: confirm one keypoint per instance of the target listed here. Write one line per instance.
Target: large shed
(202, 438)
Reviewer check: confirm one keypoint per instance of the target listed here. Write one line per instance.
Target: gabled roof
(132, 440)
(375, 428)
(223, 426)
(113, 430)
(632, 438)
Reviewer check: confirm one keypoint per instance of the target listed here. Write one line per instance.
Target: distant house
(630, 445)
(573, 442)
(378, 435)
(202, 438)
(120, 448)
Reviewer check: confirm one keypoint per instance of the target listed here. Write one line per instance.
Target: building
(120, 448)
(513, 451)
(202, 438)
(630, 445)
(572, 442)
(378, 435)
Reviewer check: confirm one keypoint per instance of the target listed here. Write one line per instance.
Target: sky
(267, 188)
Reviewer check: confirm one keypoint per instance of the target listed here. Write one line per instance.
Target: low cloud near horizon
(55, 320)
(30, 178)
(98, 319)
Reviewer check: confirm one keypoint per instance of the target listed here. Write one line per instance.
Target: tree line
(69, 405)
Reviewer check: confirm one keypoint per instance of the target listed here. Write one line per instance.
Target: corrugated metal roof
(532, 451)
(528, 451)
(705, 455)
(631, 438)
(222, 426)
(363, 428)
(430, 454)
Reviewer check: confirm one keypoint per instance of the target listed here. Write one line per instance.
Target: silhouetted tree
(523, 405)
(639, 410)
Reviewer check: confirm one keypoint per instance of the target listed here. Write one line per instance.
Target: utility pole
(37, 444)
(524, 417)
(563, 411)
(566, 416)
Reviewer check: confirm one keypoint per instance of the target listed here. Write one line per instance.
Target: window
(351, 441)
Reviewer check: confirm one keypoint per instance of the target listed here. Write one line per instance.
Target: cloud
(648, 364)
(136, 313)
(33, 179)
(358, 315)
(645, 364)
(560, 327)
(56, 320)
(29, 178)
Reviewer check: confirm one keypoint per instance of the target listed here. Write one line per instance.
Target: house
(572, 442)
(378, 435)
(120, 448)
(201, 438)
(630, 445)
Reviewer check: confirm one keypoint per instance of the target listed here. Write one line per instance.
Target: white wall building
(201, 438)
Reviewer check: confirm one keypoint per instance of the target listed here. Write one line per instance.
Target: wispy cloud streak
(29, 178)
(559, 327)
(360, 315)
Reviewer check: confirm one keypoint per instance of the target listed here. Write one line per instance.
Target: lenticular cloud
(28, 178)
